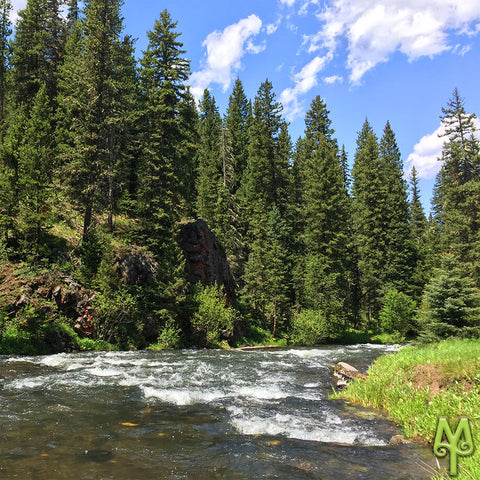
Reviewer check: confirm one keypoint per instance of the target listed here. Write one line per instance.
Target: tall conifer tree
(398, 255)
(5, 32)
(367, 219)
(266, 194)
(324, 207)
(92, 108)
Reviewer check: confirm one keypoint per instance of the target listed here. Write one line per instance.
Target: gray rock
(137, 268)
(206, 261)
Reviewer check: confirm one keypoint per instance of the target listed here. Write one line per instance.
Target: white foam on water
(181, 397)
(105, 372)
(311, 385)
(57, 360)
(27, 383)
(267, 392)
(294, 427)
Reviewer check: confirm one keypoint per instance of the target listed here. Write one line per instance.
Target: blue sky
(395, 60)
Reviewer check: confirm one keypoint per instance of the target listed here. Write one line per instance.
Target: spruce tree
(5, 32)
(457, 189)
(37, 50)
(398, 254)
(166, 134)
(93, 107)
(266, 195)
(324, 207)
(367, 220)
(237, 123)
(210, 163)
(163, 73)
(36, 162)
(417, 216)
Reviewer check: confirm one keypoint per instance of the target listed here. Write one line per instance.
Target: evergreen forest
(103, 155)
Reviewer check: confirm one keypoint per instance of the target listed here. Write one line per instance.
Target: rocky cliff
(206, 261)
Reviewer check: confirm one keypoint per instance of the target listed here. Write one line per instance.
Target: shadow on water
(194, 415)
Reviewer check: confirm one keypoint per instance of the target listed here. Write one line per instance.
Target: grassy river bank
(418, 384)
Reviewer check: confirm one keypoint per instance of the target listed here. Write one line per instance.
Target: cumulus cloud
(288, 2)
(375, 29)
(224, 54)
(304, 81)
(427, 153)
(333, 79)
(16, 6)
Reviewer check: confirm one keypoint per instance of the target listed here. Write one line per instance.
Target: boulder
(137, 268)
(342, 373)
(206, 261)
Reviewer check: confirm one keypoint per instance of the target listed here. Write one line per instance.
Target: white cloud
(273, 27)
(288, 2)
(16, 6)
(224, 53)
(427, 152)
(375, 29)
(304, 81)
(333, 79)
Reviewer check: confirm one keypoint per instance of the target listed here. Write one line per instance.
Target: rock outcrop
(206, 261)
(342, 373)
(137, 268)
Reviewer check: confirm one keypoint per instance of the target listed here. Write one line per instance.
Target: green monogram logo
(457, 444)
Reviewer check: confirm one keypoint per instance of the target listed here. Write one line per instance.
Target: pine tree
(266, 190)
(5, 32)
(398, 255)
(163, 73)
(93, 108)
(324, 207)
(367, 219)
(457, 188)
(36, 164)
(237, 123)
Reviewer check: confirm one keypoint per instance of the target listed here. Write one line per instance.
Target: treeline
(88, 132)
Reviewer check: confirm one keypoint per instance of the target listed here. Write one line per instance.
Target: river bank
(418, 384)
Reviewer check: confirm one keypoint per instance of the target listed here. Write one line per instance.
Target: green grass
(418, 384)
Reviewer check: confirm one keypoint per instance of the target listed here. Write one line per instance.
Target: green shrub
(115, 315)
(311, 327)
(17, 341)
(168, 339)
(397, 313)
(213, 316)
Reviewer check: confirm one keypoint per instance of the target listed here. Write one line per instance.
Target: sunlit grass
(393, 386)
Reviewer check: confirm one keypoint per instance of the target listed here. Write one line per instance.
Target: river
(194, 414)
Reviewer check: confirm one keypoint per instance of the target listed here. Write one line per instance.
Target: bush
(115, 315)
(213, 316)
(18, 341)
(168, 339)
(310, 327)
(397, 313)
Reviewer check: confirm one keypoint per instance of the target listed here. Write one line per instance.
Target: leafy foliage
(213, 315)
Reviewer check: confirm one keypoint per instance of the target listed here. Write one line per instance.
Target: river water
(194, 414)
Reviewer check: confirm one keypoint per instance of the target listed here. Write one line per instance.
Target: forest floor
(419, 384)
